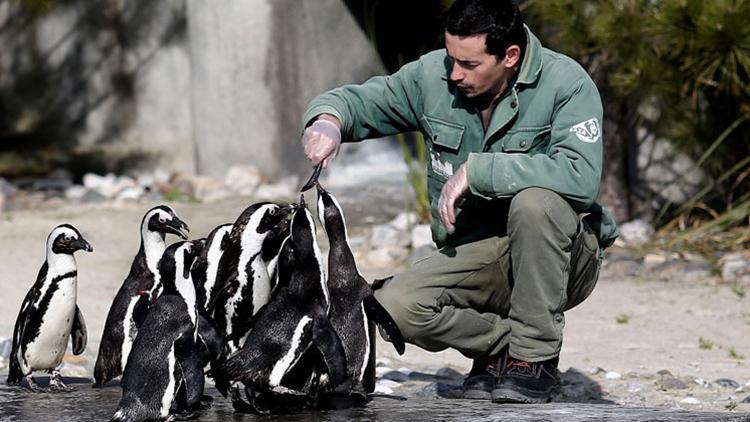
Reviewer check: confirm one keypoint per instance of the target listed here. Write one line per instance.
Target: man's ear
(512, 56)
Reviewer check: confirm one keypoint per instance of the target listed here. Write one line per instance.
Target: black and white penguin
(140, 288)
(243, 274)
(292, 321)
(206, 265)
(49, 314)
(164, 372)
(354, 310)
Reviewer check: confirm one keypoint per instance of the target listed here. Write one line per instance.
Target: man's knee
(407, 310)
(538, 208)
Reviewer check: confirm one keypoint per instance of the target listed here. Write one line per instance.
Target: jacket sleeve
(382, 106)
(571, 166)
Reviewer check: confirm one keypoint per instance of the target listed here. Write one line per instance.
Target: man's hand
(453, 190)
(321, 140)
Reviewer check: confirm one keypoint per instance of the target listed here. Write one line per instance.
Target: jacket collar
(532, 59)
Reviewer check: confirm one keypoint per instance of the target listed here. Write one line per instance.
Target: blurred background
(168, 97)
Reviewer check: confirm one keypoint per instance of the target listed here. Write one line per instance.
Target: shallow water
(89, 404)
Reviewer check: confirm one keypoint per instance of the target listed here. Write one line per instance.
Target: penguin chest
(48, 348)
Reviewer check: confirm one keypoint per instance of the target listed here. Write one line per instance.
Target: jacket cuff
(479, 169)
(316, 111)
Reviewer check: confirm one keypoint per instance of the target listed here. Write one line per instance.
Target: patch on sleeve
(587, 131)
(440, 167)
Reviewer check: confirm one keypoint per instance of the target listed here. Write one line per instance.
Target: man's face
(474, 71)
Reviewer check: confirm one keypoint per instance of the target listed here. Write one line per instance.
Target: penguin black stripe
(31, 330)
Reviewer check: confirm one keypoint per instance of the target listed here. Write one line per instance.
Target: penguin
(354, 311)
(293, 320)
(206, 265)
(140, 288)
(164, 373)
(243, 274)
(49, 313)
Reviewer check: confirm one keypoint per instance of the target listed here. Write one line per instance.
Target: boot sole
(476, 395)
(521, 395)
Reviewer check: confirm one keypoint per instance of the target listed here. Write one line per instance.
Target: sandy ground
(661, 321)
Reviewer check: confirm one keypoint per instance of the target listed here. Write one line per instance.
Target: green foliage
(731, 405)
(733, 354)
(688, 63)
(417, 177)
(622, 318)
(705, 344)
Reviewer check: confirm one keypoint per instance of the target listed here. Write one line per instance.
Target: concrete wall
(182, 85)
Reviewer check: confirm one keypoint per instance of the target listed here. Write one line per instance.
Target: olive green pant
(483, 296)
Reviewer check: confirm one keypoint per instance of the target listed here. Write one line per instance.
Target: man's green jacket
(544, 132)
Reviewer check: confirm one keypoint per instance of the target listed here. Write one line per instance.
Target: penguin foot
(56, 384)
(186, 415)
(242, 406)
(33, 386)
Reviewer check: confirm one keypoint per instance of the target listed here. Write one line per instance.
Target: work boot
(527, 382)
(483, 376)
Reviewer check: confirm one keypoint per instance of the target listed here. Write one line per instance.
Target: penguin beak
(178, 227)
(302, 201)
(83, 245)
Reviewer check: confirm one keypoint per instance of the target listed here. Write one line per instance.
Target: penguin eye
(273, 211)
(68, 238)
(162, 220)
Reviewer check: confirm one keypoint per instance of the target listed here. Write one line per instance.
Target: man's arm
(382, 106)
(572, 167)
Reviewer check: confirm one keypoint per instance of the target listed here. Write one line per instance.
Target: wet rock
(430, 391)
(396, 376)
(636, 232)
(746, 400)
(58, 180)
(243, 180)
(727, 383)
(421, 236)
(735, 267)
(449, 373)
(283, 189)
(667, 381)
(577, 387)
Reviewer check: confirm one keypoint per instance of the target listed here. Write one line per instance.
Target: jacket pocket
(526, 139)
(443, 133)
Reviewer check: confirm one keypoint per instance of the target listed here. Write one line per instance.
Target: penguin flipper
(188, 358)
(78, 335)
(380, 316)
(331, 350)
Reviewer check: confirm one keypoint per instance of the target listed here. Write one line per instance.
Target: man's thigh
(475, 275)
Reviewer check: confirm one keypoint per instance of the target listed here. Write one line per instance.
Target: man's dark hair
(499, 19)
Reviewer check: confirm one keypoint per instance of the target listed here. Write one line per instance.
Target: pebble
(594, 370)
(396, 376)
(690, 400)
(667, 381)
(727, 383)
(611, 375)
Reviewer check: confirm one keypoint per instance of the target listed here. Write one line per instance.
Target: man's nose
(456, 74)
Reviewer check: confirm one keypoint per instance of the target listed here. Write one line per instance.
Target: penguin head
(302, 231)
(175, 264)
(163, 220)
(261, 220)
(66, 239)
(330, 214)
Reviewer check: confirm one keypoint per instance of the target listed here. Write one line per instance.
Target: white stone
(382, 370)
(421, 235)
(382, 389)
(387, 235)
(131, 193)
(387, 257)
(734, 266)
(404, 221)
(690, 400)
(243, 180)
(611, 375)
(405, 371)
(75, 192)
(653, 259)
(636, 232)
(207, 188)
